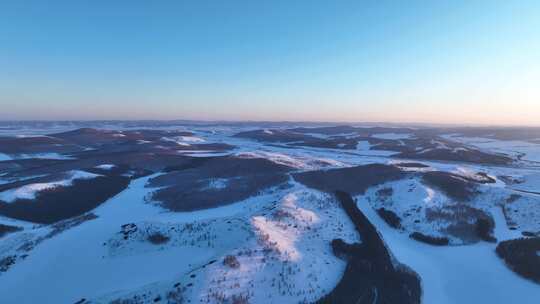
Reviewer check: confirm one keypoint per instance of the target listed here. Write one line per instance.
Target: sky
(464, 62)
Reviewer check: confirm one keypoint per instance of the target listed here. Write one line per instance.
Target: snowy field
(525, 150)
(273, 247)
(462, 274)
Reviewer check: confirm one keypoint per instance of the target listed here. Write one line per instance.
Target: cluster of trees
(371, 275)
(158, 238)
(522, 256)
(428, 239)
(5, 229)
(390, 217)
(61, 203)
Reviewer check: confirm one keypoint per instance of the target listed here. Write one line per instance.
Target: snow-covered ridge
(294, 161)
(283, 263)
(184, 140)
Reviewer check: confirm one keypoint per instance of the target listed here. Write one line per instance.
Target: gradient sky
(474, 62)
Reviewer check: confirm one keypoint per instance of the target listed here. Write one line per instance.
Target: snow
(278, 236)
(14, 222)
(277, 158)
(191, 139)
(464, 171)
(51, 155)
(176, 140)
(295, 161)
(527, 150)
(430, 196)
(392, 136)
(6, 180)
(456, 274)
(83, 270)
(109, 273)
(31, 136)
(201, 153)
(281, 237)
(4, 157)
(524, 212)
(440, 144)
(402, 165)
(185, 141)
(409, 199)
(338, 156)
(531, 182)
(367, 149)
(299, 253)
(106, 167)
(217, 183)
(425, 150)
(281, 240)
(501, 230)
(30, 191)
(284, 262)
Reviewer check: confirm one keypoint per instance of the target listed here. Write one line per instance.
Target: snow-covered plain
(525, 150)
(393, 136)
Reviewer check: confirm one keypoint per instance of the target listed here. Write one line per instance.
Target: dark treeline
(61, 203)
(522, 256)
(371, 275)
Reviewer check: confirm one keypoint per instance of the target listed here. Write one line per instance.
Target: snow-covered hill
(247, 214)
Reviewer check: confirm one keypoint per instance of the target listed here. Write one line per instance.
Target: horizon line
(233, 121)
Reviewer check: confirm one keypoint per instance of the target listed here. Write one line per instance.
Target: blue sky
(396, 61)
